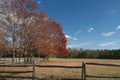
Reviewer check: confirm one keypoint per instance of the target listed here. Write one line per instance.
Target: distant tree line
(94, 54)
(78, 53)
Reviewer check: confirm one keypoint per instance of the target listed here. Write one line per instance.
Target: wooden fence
(85, 75)
(33, 71)
(56, 66)
(18, 71)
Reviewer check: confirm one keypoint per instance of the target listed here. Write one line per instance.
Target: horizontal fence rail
(16, 71)
(23, 77)
(15, 65)
(85, 75)
(69, 79)
(101, 64)
(103, 76)
(57, 66)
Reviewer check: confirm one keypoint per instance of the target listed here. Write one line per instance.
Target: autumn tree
(11, 18)
(3, 43)
(15, 14)
(51, 40)
(30, 31)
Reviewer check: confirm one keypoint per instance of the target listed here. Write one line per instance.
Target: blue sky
(87, 24)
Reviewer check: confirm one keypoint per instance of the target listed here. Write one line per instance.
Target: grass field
(72, 73)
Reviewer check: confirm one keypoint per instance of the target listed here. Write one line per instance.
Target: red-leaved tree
(28, 31)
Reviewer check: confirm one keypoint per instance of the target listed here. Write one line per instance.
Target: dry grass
(71, 73)
(76, 73)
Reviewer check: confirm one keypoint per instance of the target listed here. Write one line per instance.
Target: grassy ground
(71, 73)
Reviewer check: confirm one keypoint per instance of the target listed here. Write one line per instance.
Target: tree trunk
(19, 57)
(1, 56)
(13, 58)
(25, 57)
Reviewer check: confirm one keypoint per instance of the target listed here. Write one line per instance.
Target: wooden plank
(60, 79)
(57, 66)
(24, 77)
(69, 79)
(15, 65)
(16, 71)
(103, 76)
(114, 65)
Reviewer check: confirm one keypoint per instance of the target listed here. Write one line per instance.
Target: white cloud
(79, 45)
(108, 33)
(90, 29)
(77, 32)
(112, 43)
(70, 37)
(114, 11)
(69, 46)
(118, 27)
(39, 2)
(74, 38)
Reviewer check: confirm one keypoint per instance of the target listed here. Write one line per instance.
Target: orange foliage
(33, 31)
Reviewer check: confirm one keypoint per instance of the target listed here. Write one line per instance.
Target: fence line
(99, 76)
(33, 77)
(101, 64)
(19, 65)
(103, 76)
(16, 71)
(84, 74)
(16, 65)
(23, 77)
(57, 66)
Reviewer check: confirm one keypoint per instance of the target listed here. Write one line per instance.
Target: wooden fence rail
(56, 66)
(101, 64)
(103, 76)
(22, 77)
(83, 68)
(16, 71)
(16, 65)
(19, 65)
(99, 76)
(33, 77)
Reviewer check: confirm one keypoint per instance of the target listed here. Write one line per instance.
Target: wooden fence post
(83, 71)
(33, 73)
(82, 75)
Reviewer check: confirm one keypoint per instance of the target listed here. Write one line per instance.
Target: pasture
(70, 73)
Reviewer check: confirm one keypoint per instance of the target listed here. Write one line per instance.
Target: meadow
(71, 73)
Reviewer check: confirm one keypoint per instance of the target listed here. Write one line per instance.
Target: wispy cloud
(79, 45)
(39, 2)
(77, 32)
(108, 33)
(114, 11)
(67, 36)
(112, 43)
(118, 27)
(74, 38)
(70, 37)
(90, 29)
